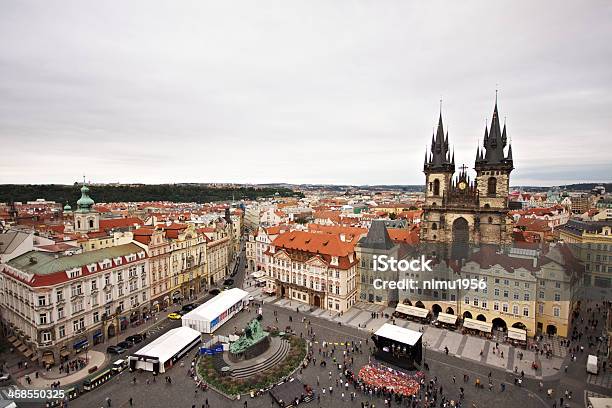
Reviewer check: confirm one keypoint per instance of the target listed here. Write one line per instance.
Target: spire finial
(496, 90)
(83, 178)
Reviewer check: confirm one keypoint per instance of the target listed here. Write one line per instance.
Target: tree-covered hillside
(149, 192)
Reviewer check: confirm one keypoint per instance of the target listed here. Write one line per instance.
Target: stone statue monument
(251, 343)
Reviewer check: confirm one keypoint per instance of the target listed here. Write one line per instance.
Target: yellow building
(591, 242)
(533, 290)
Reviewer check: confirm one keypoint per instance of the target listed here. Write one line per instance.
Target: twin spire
(439, 158)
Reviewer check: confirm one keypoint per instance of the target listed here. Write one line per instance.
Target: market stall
(447, 321)
(517, 337)
(477, 327)
(412, 313)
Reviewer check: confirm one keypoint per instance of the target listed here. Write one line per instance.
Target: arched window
(434, 226)
(91, 224)
(490, 220)
(492, 186)
(79, 224)
(436, 187)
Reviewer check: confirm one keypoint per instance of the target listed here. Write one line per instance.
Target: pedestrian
(108, 402)
(131, 402)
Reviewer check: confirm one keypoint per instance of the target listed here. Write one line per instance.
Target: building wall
(55, 317)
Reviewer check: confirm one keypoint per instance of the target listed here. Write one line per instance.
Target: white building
(55, 305)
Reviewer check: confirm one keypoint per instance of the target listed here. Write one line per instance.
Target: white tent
(162, 352)
(211, 315)
(399, 334)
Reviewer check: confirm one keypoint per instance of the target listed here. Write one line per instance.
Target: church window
(436, 187)
(91, 224)
(434, 226)
(490, 220)
(492, 186)
(79, 224)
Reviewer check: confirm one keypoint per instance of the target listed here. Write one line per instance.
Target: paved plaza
(467, 355)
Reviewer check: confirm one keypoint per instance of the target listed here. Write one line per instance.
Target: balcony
(76, 296)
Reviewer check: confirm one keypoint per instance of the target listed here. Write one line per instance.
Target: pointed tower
(493, 167)
(440, 166)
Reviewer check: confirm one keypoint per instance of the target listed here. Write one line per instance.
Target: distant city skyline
(299, 93)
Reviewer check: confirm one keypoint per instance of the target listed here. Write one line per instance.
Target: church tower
(493, 167)
(439, 167)
(462, 211)
(86, 219)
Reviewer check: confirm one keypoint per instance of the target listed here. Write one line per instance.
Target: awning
(485, 327)
(258, 274)
(11, 339)
(64, 352)
(447, 318)
(22, 348)
(97, 334)
(412, 311)
(28, 353)
(48, 358)
(80, 344)
(17, 343)
(517, 334)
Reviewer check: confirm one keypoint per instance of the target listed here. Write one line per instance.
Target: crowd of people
(389, 380)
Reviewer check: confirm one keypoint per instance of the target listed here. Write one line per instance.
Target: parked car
(251, 298)
(228, 282)
(5, 377)
(214, 291)
(174, 316)
(125, 344)
(115, 350)
(135, 338)
(188, 308)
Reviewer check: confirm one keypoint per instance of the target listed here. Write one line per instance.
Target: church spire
(495, 139)
(492, 155)
(440, 152)
(509, 157)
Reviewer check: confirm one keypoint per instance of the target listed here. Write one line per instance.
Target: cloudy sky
(299, 91)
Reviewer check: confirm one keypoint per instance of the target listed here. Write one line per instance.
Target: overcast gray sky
(300, 92)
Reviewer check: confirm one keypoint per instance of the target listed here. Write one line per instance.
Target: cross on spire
(463, 168)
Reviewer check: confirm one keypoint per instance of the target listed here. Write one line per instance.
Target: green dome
(67, 207)
(85, 202)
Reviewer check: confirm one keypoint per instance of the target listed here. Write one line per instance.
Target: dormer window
(74, 273)
(334, 260)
